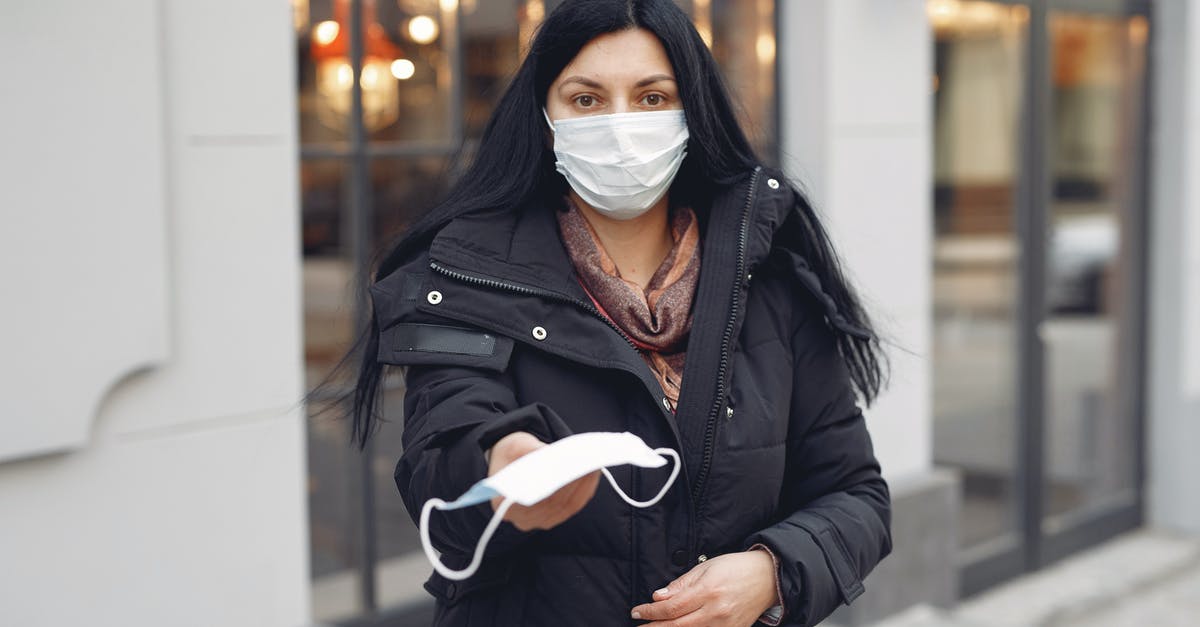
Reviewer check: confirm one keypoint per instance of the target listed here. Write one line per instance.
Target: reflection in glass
(979, 57)
(402, 564)
(334, 515)
(747, 64)
(406, 69)
(1097, 71)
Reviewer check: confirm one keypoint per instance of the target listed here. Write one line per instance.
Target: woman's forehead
(622, 57)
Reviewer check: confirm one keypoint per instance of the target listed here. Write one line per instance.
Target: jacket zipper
(521, 289)
(710, 427)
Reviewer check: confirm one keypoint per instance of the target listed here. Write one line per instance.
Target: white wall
(855, 115)
(1174, 324)
(72, 269)
(156, 139)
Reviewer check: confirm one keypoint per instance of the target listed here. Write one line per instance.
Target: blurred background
(195, 191)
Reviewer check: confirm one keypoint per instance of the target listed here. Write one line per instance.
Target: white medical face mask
(620, 163)
(541, 473)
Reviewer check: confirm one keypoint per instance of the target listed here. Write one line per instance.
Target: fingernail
(635, 614)
(663, 592)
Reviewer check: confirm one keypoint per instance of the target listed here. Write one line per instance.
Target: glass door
(978, 86)
(1093, 268)
(1040, 159)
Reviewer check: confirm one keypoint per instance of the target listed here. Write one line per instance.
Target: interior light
(326, 32)
(765, 47)
(345, 75)
(423, 29)
(403, 69)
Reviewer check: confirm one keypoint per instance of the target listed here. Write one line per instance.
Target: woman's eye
(653, 100)
(585, 101)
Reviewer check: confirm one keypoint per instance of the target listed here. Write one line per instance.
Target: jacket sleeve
(452, 415)
(458, 402)
(839, 526)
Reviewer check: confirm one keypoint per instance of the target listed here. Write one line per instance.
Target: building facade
(1014, 184)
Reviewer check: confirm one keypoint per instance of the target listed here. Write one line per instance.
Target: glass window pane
(979, 61)
(407, 70)
(402, 566)
(747, 63)
(1097, 98)
(327, 269)
(402, 190)
(323, 70)
(492, 54)
(333, 485)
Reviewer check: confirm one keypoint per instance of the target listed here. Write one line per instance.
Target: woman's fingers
(556, 508)
(676, 606)
(582, 491)
(677, 599)
(728, 590)
(572, 498)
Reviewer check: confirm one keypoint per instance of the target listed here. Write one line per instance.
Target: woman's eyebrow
(586, 82)
(653, 79)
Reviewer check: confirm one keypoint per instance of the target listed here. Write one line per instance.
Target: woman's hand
(555, 509)
(730, 590)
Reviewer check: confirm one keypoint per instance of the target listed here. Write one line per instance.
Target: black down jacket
(498, 336)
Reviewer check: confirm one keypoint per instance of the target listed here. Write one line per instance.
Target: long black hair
(514, 164)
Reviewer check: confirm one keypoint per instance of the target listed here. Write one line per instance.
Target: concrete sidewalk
(1144, 578)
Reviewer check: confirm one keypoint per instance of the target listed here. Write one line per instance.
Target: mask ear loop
(548, 122)
(435, 559)
(661, 493)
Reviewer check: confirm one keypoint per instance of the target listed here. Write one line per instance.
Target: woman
(615, 259)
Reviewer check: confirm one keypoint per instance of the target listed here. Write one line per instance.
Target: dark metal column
(357, 222)
(1032, 226)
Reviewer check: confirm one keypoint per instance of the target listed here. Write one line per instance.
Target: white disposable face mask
(620, 163)
(539, 474)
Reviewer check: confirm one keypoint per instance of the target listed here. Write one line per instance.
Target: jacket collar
(518, 247)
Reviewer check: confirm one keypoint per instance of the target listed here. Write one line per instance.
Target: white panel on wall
(1173, 379)
(232, 155)
(224, 80)
(856, 131)
(193, 528)
(1191, 216)
(84, 263)
(235, 286)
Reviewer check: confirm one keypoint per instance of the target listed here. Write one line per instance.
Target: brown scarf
(657, 319)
